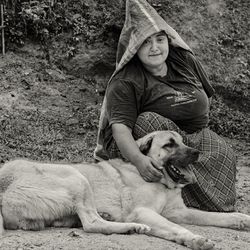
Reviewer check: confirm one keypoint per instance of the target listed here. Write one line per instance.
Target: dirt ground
(37, 114)
(50, 111)
(75, 238)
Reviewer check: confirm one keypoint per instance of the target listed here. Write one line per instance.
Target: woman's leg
(215, 169)
(146, 123)
(215, 172)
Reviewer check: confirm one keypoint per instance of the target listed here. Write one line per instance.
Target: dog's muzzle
(179, 166)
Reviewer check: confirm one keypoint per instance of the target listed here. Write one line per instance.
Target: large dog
(35, 195)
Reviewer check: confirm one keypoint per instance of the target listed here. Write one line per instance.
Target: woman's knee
(150, 116)
(152, 121)
(148, 122)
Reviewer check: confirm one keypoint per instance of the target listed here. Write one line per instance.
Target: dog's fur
(35, 195)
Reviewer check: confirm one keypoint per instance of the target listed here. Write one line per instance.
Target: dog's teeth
(176, 170)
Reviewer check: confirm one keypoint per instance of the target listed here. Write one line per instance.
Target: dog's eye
(170, 144)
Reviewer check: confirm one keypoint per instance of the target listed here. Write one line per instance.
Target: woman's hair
(169, 39)
(163, 32)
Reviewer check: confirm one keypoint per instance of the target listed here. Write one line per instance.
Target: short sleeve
(122, 103)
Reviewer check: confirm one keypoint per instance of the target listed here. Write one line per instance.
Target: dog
(36, 195)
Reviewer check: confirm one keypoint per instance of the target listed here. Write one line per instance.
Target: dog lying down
(35, 195)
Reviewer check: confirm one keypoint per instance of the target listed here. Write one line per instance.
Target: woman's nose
(153, 45)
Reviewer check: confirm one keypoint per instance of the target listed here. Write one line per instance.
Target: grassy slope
(50, 111)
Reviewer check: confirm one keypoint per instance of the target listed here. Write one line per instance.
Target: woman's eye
(161, 39)
(146, 42)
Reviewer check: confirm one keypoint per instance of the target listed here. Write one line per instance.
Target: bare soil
(73, 239)
(46, 114)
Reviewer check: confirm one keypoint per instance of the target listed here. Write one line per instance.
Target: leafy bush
(44, 19)
(227, 121)
(100, 21)
(36, 20)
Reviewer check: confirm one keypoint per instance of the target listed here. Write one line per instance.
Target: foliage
(36, 20)
(220, 41)
(228, 121)
(45, 19)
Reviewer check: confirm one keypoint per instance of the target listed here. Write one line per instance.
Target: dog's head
(168, 149)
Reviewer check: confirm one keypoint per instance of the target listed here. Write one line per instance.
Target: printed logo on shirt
(181, 98)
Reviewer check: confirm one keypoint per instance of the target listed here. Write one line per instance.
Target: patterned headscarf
(141, 21)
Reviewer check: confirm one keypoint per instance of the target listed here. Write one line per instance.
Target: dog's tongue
(181, 175)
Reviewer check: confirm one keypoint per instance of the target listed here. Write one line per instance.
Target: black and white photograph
(124, 124)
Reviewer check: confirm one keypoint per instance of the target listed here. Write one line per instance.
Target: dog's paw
(139, 228)
(240, 221)
(201, 243)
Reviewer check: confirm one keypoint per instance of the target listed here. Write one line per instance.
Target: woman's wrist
(136, 159)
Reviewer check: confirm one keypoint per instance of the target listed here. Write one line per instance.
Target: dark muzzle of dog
(177, 166)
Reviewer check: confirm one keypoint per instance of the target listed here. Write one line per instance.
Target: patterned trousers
(215, 170)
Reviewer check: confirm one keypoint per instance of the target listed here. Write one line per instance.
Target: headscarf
(141, 22)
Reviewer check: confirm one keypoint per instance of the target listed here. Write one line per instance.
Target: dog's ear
(146, 145)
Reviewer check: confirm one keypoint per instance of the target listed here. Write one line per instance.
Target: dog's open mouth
(180, 174)
(174, 173)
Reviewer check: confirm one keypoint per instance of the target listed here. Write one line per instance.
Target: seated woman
(159, 84)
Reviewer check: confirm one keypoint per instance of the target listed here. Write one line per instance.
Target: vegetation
(45, 19)
(68, 47)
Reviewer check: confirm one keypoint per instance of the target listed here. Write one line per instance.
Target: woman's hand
(149, 169)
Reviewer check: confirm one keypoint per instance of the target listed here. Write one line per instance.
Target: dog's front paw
(240, 221)
(201, 243)
(140, 228)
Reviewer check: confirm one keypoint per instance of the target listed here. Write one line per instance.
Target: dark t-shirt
(182, 95)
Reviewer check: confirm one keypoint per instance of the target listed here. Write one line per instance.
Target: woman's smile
(156, 55)
(154, 52)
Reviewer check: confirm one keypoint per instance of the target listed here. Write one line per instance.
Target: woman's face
(154, 51)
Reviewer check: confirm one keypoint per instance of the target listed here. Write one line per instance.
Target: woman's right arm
(147, 167)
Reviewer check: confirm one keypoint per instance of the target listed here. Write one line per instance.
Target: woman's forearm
(126, 143)
(148, 168)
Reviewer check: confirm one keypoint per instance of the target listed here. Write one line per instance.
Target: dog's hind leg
(67, 221)
(92, 221)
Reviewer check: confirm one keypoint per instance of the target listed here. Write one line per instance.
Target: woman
(158, 84)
